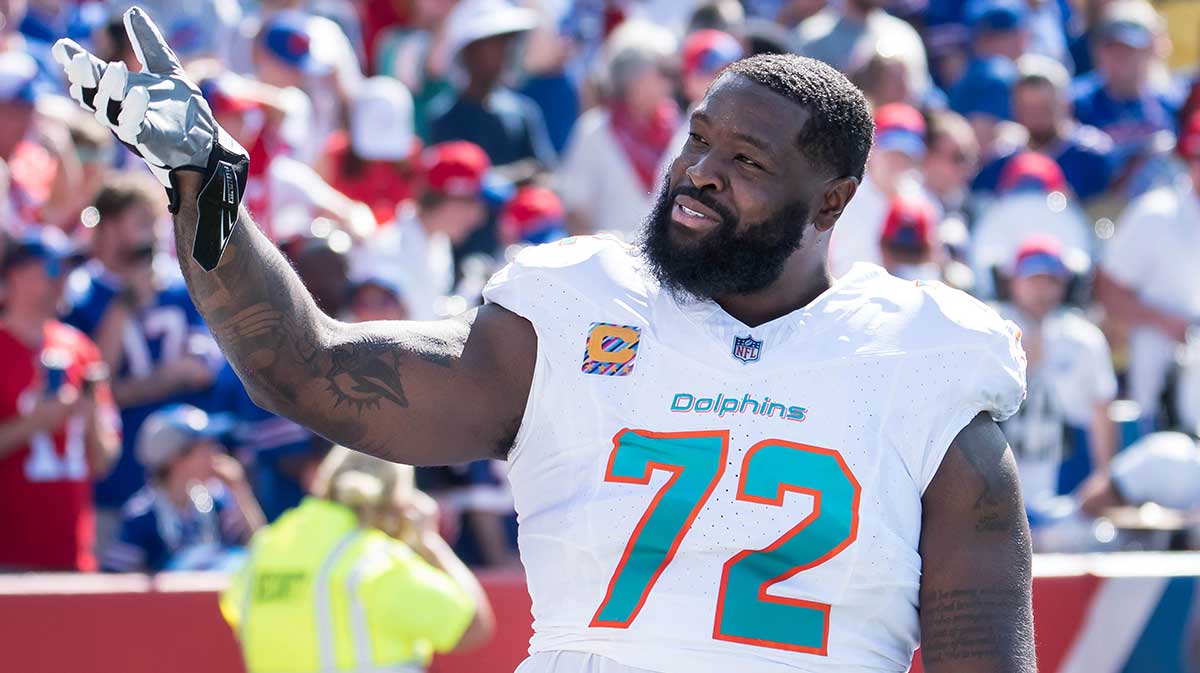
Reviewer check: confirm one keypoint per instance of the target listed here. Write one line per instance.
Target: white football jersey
(699, 496)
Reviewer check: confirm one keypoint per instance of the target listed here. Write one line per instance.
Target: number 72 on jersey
(745, 612)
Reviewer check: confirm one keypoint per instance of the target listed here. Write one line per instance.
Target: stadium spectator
(1041, 104)
(1032, 198)
(1147, 279)
(1062, 432)
(283, 192)
(982, 97)
(195, 29)
(884, 79)
(197, 505)
(308, 569)
(611, 164)
(417, 246)
(374, 297)
(286, 55)
(34, 170)
(374, 162)
(323, 265)
(704, 54)
(534, 215)
(999, 28)
(950, 161)
(58, 426)
(549, 77)
(144, 323)
(840, 30)
(94, 150)
(482, 36)
(1129, 97)
(415, 52)
(908, 244)
(893, 168)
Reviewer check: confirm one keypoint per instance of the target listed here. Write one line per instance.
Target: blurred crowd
(1043, 155)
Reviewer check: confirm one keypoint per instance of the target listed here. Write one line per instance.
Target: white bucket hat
(381, 120)
(474, 20)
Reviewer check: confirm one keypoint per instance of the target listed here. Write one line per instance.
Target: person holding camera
(361, 564)
(197, 510)
(59, 429)
(144, 323)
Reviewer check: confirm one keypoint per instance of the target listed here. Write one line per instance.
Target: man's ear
(837, 194)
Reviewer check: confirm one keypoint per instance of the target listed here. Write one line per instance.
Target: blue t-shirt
(169, 328)
(1130, 123)
(558, 101)
(261, 440)
(1087, 159)
(508, 126)
(154, 533)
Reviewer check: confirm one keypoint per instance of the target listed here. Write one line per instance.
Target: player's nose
(704, 172)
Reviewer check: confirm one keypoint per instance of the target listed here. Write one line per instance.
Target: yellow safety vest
(319, 594)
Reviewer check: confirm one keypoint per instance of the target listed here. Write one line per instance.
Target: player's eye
(696, 138)
(743, 159)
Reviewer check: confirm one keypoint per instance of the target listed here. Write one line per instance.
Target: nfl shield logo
(747, 349)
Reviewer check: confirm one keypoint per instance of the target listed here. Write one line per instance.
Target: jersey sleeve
(975, 364)
(421, 602)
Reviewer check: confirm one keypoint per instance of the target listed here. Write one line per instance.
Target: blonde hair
(374, 488)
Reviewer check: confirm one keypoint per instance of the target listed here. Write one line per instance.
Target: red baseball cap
(1030, 170)
(1188, 145)
(455, 168)
(223, 95)
(533, 215)
(909, 224)
(709, 50)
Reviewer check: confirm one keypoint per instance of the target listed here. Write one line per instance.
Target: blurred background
(1043, 155)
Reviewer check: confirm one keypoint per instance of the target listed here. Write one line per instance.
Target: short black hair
(840, 127)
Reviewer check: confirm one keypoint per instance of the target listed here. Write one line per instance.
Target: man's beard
(723, 261)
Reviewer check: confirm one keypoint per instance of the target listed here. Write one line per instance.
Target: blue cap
(287, 37)
(172, 430)
(1040, 255)
(47, 244)
(984, 88)
(18, 78)
(985, 16)
(378, 280)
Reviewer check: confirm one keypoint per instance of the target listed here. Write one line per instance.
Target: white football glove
(161, 116)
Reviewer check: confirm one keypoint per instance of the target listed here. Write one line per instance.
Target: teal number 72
(745, 612)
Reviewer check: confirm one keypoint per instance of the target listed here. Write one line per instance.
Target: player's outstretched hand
(161, 115)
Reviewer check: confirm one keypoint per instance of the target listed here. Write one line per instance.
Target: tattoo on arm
(976, 582)
(961, 624)
(278, 341)
(993, 511)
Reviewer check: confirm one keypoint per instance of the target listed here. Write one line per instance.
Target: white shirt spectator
(1154, 253)
(596, 178)
(422, 264)
(1072, 375)
(1011, 219)
(831, 37)
(857, 232)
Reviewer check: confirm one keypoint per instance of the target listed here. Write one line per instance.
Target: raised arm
(422, 393)
(976, 587)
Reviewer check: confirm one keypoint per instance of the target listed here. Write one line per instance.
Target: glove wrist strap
(217, 204)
